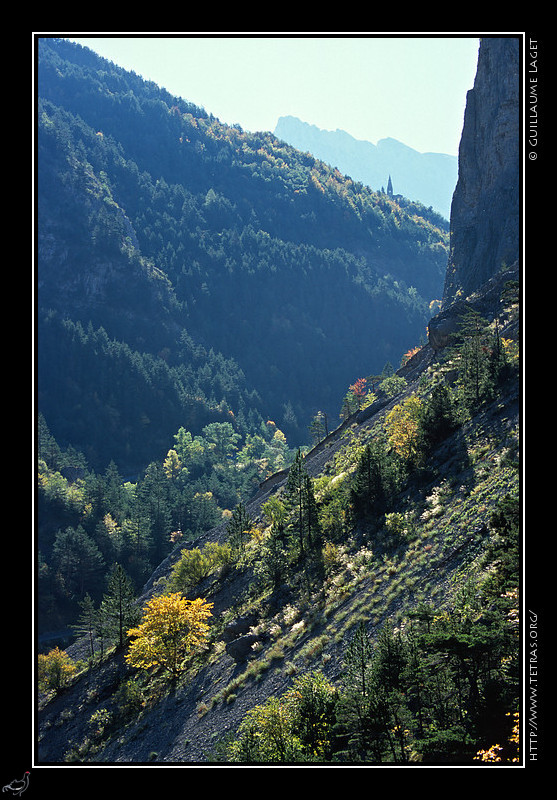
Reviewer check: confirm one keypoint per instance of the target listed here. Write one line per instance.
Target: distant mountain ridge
(429, 178)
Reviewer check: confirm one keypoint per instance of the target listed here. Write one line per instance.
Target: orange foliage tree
(359, 390)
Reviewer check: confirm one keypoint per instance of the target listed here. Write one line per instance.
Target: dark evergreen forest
(204, 264)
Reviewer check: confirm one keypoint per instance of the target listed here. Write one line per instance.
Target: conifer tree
(273, 564)
(78, 562)
(238, 526)
(439, 418)
(137, 532)
(156, 488)
(358, 660)
(360, 711)
(311, 514)
(86, 622)
(103, 629)
(367, 486)
(389, 659)
(318, 427)
(294, 493)
(119, 603)
(472, 354)
(301, 498)
(114, 493)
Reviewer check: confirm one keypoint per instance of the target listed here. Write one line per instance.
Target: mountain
(364, 601)
(434, 566)
(485, 215)
(429, 178)
(243, 275)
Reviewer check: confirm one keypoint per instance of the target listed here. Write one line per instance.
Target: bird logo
(17, 787)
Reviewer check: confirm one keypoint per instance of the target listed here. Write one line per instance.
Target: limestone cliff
(485, 231)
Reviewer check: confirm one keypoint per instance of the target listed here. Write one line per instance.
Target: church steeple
(390, 186)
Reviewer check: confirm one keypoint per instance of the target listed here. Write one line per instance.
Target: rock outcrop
(487, 301)
(485, 221)
(241, 648)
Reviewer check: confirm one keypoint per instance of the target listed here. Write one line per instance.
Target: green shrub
(392, 385)
(99, 722)
(129, 697)
(195, 565)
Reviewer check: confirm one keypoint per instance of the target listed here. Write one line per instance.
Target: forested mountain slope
(399, 566)
(249, 602)
(235, 272)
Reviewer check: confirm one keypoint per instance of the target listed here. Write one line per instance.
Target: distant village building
(389, 188)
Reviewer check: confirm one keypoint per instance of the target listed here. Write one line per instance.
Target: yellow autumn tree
(172, 465)
(171, 628)
(402, 425)
(55, 670)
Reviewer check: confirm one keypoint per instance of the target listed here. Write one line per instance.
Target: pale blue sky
(412, 88)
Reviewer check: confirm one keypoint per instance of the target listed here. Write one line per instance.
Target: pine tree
(294, 494)
(78, 563)
(318, 427)
(473, 356)
(238, 526)
(119, 604)
(155, 487)
(367, 487)
(86, 622)
(360, 711)
(358, 660)
(103, 628)
(114, 493)
(311, 515)
(300, 498)
(373, 712)
(137, 532)
(389, 659)
(439, 418)
(273, 564)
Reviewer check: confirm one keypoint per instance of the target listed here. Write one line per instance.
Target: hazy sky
(411, 88)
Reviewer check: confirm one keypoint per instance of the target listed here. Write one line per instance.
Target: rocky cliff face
(485, 229)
